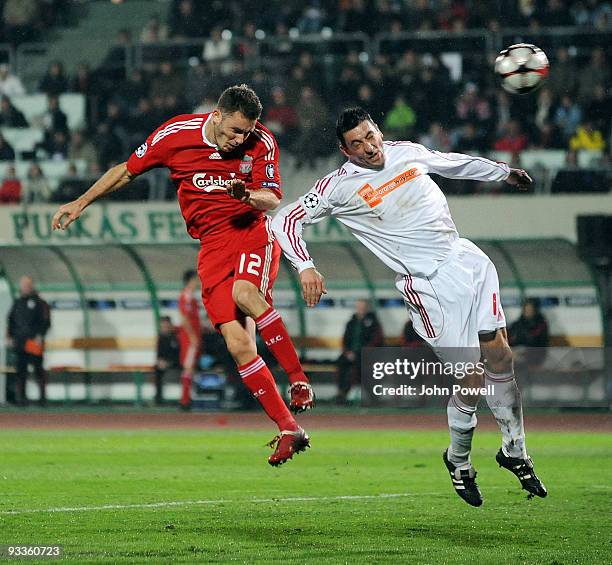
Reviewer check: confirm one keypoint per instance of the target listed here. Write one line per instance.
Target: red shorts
(247, 260)
(188, 353)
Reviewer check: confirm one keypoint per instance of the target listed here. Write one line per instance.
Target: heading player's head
(360, 139)
(234, 118)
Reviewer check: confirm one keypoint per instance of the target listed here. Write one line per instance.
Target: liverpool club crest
(246, 165)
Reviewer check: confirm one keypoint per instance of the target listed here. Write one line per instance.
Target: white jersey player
(384, 195)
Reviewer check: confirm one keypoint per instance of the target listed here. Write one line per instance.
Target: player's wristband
(246, 197)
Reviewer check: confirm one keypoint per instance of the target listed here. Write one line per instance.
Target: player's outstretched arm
(313, 286)
(111, 180)
(519, 178)
(261, 199)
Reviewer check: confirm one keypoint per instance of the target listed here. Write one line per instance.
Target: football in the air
(521, 68)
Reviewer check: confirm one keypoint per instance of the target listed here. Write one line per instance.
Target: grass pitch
(210, 496)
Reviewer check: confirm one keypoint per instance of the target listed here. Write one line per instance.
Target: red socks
(186, 388)
(274, 333)
(257, 378)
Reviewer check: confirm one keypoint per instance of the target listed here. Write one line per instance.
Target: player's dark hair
(349, 119)
(165, 319)
(188, 275)
(240, 98)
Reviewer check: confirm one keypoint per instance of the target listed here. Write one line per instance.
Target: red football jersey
(188, 307)
(201, 174)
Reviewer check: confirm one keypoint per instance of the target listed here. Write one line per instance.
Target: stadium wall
(503, 217)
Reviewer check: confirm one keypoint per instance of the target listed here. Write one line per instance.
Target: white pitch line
(207, 502)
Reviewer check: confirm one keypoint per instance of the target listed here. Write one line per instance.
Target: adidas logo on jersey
(215, 155)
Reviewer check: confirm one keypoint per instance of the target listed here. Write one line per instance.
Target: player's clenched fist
(237, 189)
(519, 178)
(313, 286)
(72, 210)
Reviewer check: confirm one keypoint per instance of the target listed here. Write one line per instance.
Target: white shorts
(460, 300)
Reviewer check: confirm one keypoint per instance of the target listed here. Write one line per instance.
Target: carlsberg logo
(209, 183)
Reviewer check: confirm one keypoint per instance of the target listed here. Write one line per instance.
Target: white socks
(507, 407)
(461, 423)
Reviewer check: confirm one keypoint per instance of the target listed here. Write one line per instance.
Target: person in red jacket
(10, 189)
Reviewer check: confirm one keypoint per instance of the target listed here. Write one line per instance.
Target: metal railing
(328, 45)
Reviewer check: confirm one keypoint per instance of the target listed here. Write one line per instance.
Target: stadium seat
(34, 105)
(23, 139)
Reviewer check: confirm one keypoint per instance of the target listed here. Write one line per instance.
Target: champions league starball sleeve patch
(141, 150)
(311, 200)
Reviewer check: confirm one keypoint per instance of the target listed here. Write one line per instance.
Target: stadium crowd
(411, 94)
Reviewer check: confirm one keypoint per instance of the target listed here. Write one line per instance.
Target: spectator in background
(215, 47)
(436, 138)
(472, 107)
(206, 105)
(80, 148)
(544, 108)
(513, 139)
(599, 110)
(362, 330)
(55, 81)
(70, 187)
(547, 137)
(311, 20)
(467, 138)
(143, 120)
(167, 82)
(29, 321)
(400, 119)
(10, 84)
(200, 84)
(297, 82)
(36, 188)
(131, 91)
(112, 69)
(55, 145)
(6, 151)
(564, 78)
(84, 81)
(367, 99)
(503, 111)
(531, 332)
(109, 146)
(10, 189)
(281, 118)
(167, 355)
(21, 20)
(11, 117)
(567, 117)
(53, 119)
(587, 138)
(154, 30)
(185, 21)
(246, 46)
(597, 72)
(312, 116)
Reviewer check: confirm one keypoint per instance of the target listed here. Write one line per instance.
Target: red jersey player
(225, 167)
(189, 335)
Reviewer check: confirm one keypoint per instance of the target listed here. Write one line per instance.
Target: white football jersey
(399, 212)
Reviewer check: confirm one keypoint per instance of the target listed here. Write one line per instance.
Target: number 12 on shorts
(253, 264)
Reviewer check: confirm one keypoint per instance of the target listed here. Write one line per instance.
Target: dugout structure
(107, 299)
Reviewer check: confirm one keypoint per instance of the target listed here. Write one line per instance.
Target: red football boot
(287, 444)
(302, 397)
